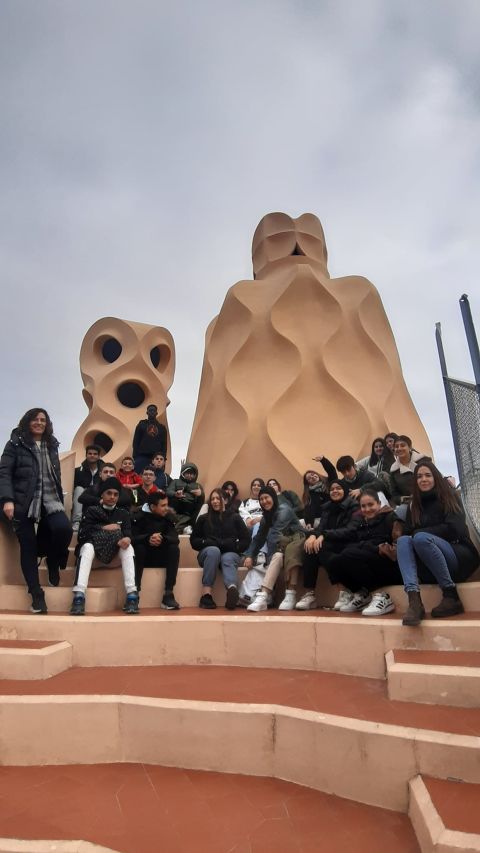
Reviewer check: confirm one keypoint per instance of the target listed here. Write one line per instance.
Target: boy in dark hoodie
(186, 496)
(155, 542)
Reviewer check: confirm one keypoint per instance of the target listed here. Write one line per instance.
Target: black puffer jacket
(450, 526)
(19, 473)
(226, 531)
(374, 532)
(339, 521)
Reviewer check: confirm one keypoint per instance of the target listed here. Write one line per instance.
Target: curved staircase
(234, 732)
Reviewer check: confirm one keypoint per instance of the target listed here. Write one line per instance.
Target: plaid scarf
(46, 492)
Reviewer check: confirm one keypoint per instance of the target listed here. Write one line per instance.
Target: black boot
(39, 605)
(450, 604)
(416, 610)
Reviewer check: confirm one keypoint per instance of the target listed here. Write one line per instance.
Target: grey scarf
(46, 492)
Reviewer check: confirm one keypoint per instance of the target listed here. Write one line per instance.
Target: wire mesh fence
(465, 400)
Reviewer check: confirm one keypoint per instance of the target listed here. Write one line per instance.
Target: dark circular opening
(103, 440)
(111, 350)
(130, 394)
(155, 356)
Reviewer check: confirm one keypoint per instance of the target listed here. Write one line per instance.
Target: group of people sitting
(390, 518)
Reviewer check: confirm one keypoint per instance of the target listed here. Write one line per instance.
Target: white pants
(124, 558)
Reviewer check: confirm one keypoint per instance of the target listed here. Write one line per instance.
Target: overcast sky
(141, 142)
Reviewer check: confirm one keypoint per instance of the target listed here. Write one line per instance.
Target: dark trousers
(312, 563)
(165, 556)
(51, 540)
(360, 567)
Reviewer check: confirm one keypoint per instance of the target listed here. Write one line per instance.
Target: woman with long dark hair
(380, 460)
(282, 533)
(31, 497)
(287, 496)
(219, 537)
(436, 546)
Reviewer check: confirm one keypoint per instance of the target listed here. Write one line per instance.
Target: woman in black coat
(436, 546)
(220, 538)
(368, 563)
(31, 493)
(339, 520)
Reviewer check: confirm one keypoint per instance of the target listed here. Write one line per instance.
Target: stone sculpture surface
(296, 364)
(125, 366)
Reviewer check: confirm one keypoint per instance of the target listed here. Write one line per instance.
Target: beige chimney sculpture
(296, 364)
(125, 366)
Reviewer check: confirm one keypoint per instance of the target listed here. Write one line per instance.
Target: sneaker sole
(169, 606)
(312, 606)
(385, 610)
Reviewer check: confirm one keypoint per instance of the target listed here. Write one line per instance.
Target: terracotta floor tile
(116, 806)
(330, 693)
(458, 803)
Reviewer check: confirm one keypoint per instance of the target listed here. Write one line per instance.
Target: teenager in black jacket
(220, 538)
(436, 546)
(337, 527)
(369, 562)
(30, 493)
(155, 542)
(91, 496)
(105, 533)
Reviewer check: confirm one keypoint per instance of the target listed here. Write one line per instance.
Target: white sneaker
(260, 602)
(288, 602)
(187, 530)
(344, 598)
(380, 604)
(359, 601)
(307, 602)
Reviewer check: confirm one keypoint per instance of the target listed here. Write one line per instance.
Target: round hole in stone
(103, 440)
(155, 356)
(111, 350)
(131, 394)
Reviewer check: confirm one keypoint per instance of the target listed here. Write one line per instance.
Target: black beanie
(110, 483)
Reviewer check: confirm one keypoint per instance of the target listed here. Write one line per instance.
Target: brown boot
(450, 604)
(416, 610)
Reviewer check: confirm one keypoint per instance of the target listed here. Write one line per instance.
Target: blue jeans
(435, 553)
(211, 559)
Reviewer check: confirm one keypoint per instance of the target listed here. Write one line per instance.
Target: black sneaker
(53, 575)
(169, 602)
(207, 602)
(232, 597)
(131, 604)
(78, 605)
(39, 605)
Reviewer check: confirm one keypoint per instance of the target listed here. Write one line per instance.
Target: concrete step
(349, 644)
(445, 815)
(434, 677)
(360, 759)
(189, 587)
(59, 599)
(33, 659)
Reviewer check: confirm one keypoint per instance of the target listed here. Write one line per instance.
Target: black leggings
(51, 540)
(360, 567)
